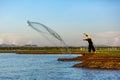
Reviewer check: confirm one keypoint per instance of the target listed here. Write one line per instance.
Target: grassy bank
(114, 51)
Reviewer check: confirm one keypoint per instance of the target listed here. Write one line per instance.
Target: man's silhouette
(90, 47)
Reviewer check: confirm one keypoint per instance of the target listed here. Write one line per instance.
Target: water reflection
(46, 67)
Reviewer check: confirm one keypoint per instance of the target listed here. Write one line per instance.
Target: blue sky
(70, 18)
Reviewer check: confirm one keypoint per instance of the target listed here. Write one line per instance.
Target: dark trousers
(91, 47)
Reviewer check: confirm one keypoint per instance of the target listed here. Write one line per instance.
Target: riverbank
(105, 58)
(94, 61)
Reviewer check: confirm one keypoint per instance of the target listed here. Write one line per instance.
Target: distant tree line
(60, 48)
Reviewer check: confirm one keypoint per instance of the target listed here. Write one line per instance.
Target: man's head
(87, 36)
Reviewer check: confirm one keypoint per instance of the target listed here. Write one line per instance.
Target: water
(46, 67)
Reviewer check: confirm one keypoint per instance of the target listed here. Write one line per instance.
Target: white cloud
(1, 41)
(13, 38)
(111, 38)
(22, 39)
(116, 41)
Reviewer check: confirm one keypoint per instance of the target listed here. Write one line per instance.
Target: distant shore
(56, 50)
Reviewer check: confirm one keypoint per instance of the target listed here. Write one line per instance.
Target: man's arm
(85, 39)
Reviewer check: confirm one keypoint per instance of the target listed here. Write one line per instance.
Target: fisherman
(90, 47)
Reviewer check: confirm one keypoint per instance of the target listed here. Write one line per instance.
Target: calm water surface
(46, 67)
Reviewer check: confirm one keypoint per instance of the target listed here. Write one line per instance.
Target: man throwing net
(90, 47)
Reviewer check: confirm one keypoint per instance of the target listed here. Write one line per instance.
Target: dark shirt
(89, 41)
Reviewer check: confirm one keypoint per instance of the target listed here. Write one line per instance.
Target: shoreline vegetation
(104, 58)
(58, 49)
(93, 61)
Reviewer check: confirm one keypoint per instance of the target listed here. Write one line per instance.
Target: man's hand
(84, 39)
(85, 34)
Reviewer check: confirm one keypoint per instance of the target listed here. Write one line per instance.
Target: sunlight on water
(46, 67)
